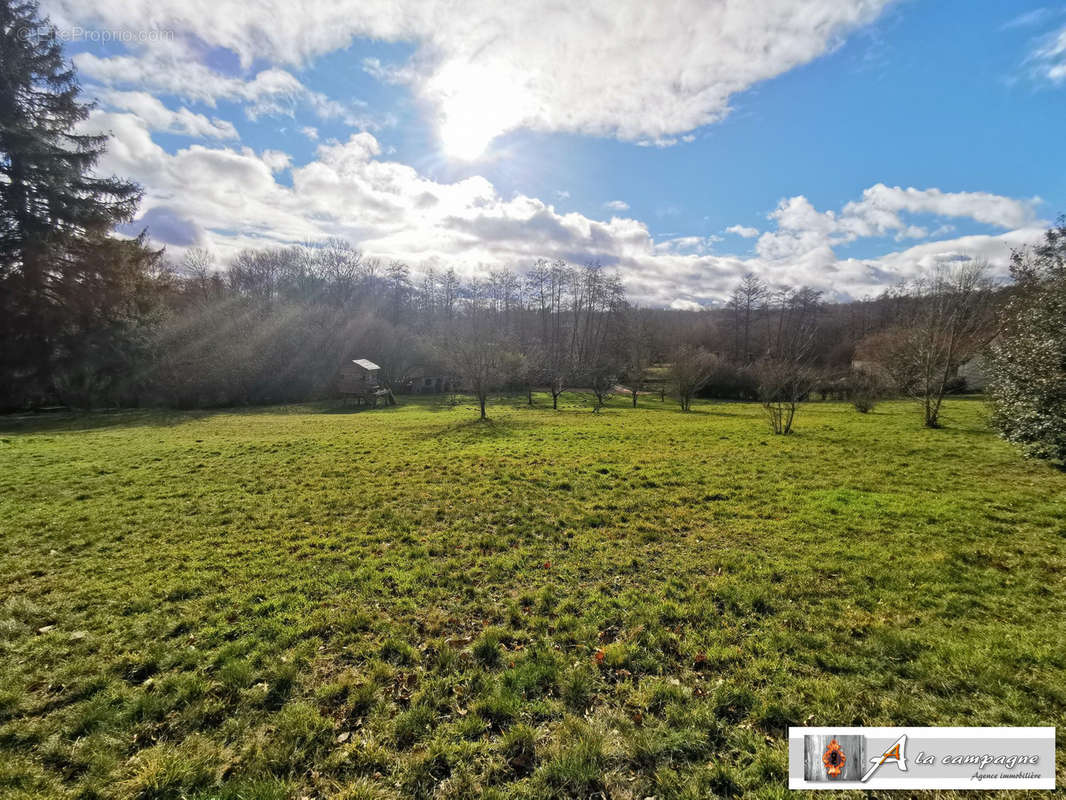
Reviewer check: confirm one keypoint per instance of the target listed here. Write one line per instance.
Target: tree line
(275, 325)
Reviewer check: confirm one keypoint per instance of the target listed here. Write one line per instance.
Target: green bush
(1027, 361)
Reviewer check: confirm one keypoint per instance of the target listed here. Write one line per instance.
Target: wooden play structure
(358, 384)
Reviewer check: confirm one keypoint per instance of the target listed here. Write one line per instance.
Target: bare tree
(636, 352)
(483, 361)
(747, 298)
(690, 369)
(399, 289)
(199, 267)
(549, 286)
(449, 293)
(474, 348)
(784, 383)
(784, 375)
(602, 381)
(949, 319)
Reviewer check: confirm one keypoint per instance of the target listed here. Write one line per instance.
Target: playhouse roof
(367, 365)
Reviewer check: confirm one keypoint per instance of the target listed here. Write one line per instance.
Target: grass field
(297, 602)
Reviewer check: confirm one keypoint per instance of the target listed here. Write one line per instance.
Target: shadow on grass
(472, 431)
(575, 404)
(59, 421)
(62, 419)
(335, 409)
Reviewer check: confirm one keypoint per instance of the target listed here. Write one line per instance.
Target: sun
(464, 138)
(477, 105)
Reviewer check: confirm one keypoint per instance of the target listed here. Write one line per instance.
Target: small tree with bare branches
(602, 381)
(949, 318)
(784, 383)
(636, 353)
(784, 374)
(483, 360)
(690, 369)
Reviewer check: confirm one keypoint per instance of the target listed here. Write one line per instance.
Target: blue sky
(853, 143)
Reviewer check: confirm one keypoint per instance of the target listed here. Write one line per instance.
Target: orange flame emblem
(834, 759)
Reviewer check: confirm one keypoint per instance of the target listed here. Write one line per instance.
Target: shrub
(730, 382)
(690, 370)
(1026, 363)
(956, 385)
(864, 390)
(783, 385)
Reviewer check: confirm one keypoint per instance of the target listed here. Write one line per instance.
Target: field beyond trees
(303, 601)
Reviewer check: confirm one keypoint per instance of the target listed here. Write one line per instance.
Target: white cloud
(806, 235)
(681, 304)
(1028, 18)
(169, 69)
(1048, 59)
(617, 205)
(694, 245)
(160, 118)
(983, 247)
(276, 160)
(880, 204)
(229, 197)
(741, 230)
(633, 73)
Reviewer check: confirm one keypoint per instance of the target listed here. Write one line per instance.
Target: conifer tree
(55, 213)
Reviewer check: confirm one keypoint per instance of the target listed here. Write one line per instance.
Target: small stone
(46, 628)
(342, 738)
(77, 636)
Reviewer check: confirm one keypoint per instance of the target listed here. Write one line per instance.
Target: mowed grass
(296, 602)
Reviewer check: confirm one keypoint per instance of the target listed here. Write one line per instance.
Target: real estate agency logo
(922, 758)
(834, 759)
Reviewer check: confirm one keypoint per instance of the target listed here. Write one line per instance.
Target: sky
(842, 144)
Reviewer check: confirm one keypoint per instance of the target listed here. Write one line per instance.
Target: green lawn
(296, 602)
